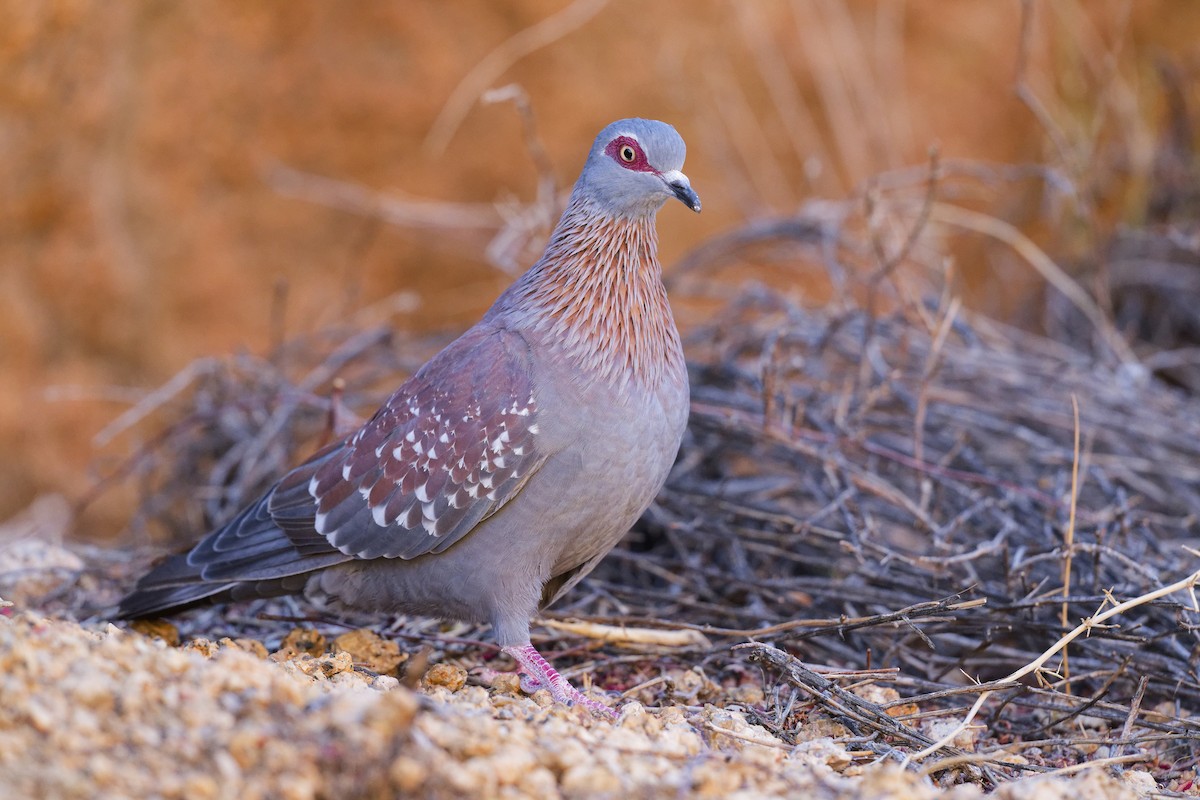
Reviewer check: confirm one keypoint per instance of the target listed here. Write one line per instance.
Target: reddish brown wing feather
(451, 446)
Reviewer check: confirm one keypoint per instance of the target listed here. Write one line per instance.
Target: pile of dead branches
(852, 466)
(897, 493)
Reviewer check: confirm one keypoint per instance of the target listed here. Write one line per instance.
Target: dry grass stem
(494, 64)
(1069, 541)
(948, 214)
(1035, 666)
(624, 635)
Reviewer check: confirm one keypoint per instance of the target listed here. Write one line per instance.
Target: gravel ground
(105, 712)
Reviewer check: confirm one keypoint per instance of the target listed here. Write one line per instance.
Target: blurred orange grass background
(145, 225)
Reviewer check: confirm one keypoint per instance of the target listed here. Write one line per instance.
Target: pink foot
(536, 673)
(528, 684)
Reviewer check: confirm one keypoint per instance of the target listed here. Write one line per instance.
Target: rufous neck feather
(597, 293)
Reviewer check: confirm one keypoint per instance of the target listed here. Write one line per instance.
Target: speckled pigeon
(503, 470)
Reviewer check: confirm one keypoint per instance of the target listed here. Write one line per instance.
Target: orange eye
(627, 154)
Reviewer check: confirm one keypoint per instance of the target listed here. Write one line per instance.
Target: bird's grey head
(634, 168)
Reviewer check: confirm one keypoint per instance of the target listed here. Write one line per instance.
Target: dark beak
(678, 183)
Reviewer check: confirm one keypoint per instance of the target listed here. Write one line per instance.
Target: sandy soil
(97, 711)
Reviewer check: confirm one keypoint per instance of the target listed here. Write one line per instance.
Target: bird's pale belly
(614, 485)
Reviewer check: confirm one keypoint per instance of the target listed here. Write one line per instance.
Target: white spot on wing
(405, 520)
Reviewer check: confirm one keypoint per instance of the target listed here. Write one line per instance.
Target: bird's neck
(597, 295)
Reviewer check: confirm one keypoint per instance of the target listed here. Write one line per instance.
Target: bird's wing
(455, 443)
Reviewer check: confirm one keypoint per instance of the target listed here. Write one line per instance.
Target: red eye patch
(620, 148)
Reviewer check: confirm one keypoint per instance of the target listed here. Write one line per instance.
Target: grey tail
(175, 585)
(249, 557)
(156, 601)
(152, 599)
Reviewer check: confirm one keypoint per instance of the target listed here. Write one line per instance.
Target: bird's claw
(529, 683)
(573, 696)
(536, 673)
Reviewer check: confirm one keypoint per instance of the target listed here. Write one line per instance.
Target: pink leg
(536, 673)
